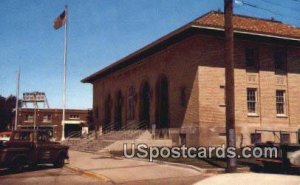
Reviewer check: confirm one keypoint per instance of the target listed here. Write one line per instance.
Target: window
(23, 136)
(251, 100)
(251, 58)
(42, 137)
(280, 102)
(182, 139)
(280, 61)
(47, 118)
(183, 96)
(130, 103)
(255, 138)
(285, 138)
(74, 116)
(29, 118)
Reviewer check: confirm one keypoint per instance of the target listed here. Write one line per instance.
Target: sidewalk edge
(203, 170)
(89, 174)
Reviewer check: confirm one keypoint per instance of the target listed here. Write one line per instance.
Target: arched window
(131, 104)
(107, 113)
(162, 102)
(118, 111)
(145, 105)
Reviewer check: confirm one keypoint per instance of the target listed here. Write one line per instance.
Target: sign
(34, 97)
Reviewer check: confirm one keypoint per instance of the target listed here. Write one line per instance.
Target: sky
(100, 32)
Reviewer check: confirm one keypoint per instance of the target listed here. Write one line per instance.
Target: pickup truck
(288, 157)
(31, 147)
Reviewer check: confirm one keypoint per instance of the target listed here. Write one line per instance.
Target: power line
(265, 9)
(280, 5)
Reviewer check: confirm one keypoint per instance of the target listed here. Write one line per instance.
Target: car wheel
(59, 162)
(32, 166)
(18, 165)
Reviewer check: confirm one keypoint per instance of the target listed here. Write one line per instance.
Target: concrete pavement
(251, 179)
(46, 175)
(122, 171)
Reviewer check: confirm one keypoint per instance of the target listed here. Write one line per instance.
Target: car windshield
(23, 136)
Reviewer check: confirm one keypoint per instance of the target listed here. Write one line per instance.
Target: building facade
(176, 85)
(51, 120)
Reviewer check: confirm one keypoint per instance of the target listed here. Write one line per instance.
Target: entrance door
(71, 129)
(162, 103)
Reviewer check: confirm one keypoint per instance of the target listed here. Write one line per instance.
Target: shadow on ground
(275, 170)
(7, 171)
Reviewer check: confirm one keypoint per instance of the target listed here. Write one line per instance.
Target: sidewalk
(250, 179)
(116, 170)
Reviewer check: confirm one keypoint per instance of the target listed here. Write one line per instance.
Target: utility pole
(17, 101)
(229, 83)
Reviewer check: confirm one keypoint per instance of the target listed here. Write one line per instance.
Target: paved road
(128, 171)
(50, 176)
(109, 170)
(43, 175)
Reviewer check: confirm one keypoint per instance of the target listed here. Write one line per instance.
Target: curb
(221, 170)
(87, 173)
(203, 170)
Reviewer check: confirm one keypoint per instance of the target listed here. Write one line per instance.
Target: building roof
(212, 20)
(51, 110)
(250, 24)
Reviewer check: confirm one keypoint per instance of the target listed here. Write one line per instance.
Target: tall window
(183, 96)
(251, 100)
(251, 57)
(280, 102)
(130, 103)
(280, 61)
(29, 118)
(47, 118)
(285, 138)
(255, 138)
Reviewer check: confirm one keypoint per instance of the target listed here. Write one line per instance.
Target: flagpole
(65, 74)
(17, 100)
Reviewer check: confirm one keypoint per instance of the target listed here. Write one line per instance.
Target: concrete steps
(93, 145)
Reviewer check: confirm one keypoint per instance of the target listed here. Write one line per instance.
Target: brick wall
(197, 64)
(55, 121)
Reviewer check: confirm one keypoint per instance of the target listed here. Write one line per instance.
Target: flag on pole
(60, 20)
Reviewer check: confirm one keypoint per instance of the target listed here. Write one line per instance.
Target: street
(130, 171)
(46, 176)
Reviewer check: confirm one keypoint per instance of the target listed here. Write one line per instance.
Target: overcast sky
(100, 32)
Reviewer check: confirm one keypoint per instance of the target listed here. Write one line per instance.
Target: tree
(7, 113)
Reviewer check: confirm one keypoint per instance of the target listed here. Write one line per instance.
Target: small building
(175, 85)
(77, 121)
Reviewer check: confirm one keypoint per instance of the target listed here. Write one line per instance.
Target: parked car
(5, 136)
(31, 147)
(288, 156)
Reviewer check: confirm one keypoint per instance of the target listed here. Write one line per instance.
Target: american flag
(60, 20)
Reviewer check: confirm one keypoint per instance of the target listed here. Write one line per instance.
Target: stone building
(51, 120)
(176, 84)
